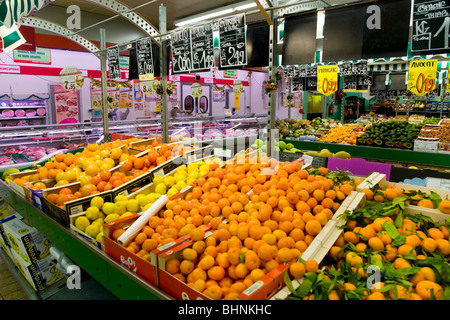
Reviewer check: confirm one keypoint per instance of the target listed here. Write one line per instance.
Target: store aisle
(10, 289)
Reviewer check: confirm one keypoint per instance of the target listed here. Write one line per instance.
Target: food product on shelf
(408, 251)
(327, 154)
(339, 133)
(391, 134)
(258, 219)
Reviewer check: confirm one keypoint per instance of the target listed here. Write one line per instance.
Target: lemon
(97, 202)
(92, 230)
(108, 208)
(192, 167)
(180, 185)
(59, 176)
(133, 205)
(161, 189)
(157, 180)
(112, 217)
(172, 191)
(61, 183)
(120, 197)
(120, 207)
(98, 221)
(146, 207)
(99, 237)
(144, 200)
(81, 223)
(192, 175)
(123, 157)
(169, 181)
(84, 180)
(154, 196)
(126, 214)
(92, 213)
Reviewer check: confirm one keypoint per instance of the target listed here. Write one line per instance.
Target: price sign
(327, 80)
(114, 63)
(346, 69)
(202, 44)
(196, 90)
(149, 87)
(144, 55)
(350, 83)
(71, 79)
(233, 41)
(298, 84)
(238, 88)
(181, 51)
(422, 76)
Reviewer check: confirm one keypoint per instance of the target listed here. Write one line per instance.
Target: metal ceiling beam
(264, 12)
(58, 29)
(122, 10)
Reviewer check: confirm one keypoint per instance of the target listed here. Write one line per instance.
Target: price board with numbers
(202, 46)
(114, 63)
(233, 41)
(181, 51)
(71, 79)
(144, 57)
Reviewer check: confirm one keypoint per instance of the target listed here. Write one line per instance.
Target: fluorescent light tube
(204, 17)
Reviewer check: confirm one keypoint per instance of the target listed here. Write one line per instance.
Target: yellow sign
(422, 76)
(327, 79)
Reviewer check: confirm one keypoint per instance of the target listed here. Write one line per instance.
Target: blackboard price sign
(298, 84)
(346, 69)
(391, 94)
(301, 70)
(202, 44)
(233, 41)
(144, 56)
(360, 68)
(289, 71)
(311, 71)
(181, 51)
(364, 80)
(350, 83)
(373, 92)
(114, 63)
(431, 26)
(311, 84)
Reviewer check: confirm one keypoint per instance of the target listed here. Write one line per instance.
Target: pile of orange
(266, 213)
(153, 145)
(370, 240)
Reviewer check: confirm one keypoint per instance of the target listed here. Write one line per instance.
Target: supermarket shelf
(398, 155)
(117, 279)
(21, 118)
(24, 107)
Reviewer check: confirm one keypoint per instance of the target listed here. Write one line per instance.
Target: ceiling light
(245, 6)
(204, 17)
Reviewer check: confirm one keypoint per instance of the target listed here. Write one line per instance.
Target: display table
(398, 155)
(117, 279)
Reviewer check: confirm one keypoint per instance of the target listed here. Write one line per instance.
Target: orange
(313, 227)
(241, 271)
(197, 234)
(173, 266)
(251, 260)
(444, 206)
(216, 273)
(311, 266)
(285, 255)
(429, 290)
(369, 194)
(425, 203)
(429, 245)
(214, 292)
(297, 270)
(319, 195)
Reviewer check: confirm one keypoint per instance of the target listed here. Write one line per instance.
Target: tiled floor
(10, 289)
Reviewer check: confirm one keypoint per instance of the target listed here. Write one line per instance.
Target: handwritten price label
(196, 90)
(422, 76)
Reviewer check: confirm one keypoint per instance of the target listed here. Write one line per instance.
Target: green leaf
(398, 241)
(242, 257)
(399, 200)
(288, 283)
(391, 230)
(376, 261)
(399, 220)
(304, 288)
(435, 198)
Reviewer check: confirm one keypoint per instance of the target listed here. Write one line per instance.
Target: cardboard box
(3, 238)
(40, 274)
(83, 235)
(26, 241)
(20, 190)
(145, 268)
(61, 215)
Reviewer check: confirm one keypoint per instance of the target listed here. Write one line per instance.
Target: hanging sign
(181, 51)
(233, 41)
(238, 88)
(149, 87)
(71, 79)
(327, 79)
(196, 90)
(202, 46)
(430, 27)
(422, 76)
(311, 78)
(114, 63)
(11, 13)
(144, 56)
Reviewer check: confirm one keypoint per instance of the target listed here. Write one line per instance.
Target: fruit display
(101, 212)
(327, 154)
(286, 147)
(299, 127)
(260, 214)
(391, 134)
(346, 134)
(384, 253)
